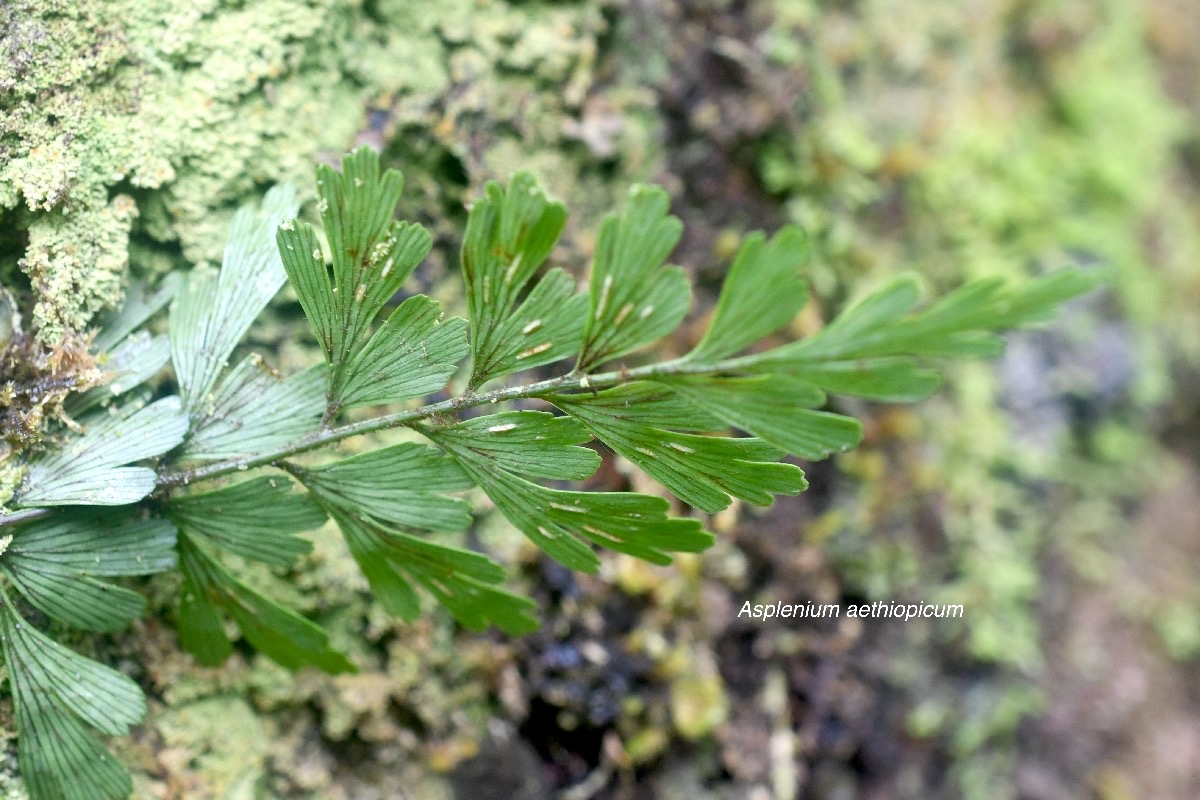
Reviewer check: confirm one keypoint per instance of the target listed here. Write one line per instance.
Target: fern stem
(24, 515)
(469, 399)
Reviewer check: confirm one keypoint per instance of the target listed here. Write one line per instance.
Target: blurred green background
(1055, 493)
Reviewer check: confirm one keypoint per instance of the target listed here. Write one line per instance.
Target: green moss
(699, 704)
(217, 748)
(79, 255)
(965, 142)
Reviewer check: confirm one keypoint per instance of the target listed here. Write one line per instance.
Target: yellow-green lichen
(203, 102)
(215, 748)
(194, 107)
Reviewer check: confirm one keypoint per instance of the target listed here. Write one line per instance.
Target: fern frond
(253, 409)
(711, 426)
(763, 292)
(256, 519)
(277, 632)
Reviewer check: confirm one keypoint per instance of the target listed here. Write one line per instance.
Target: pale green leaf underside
(141, 302)
(212, 312)
(254, 411)
(89, 469)
(128, 358)
(134, 361)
